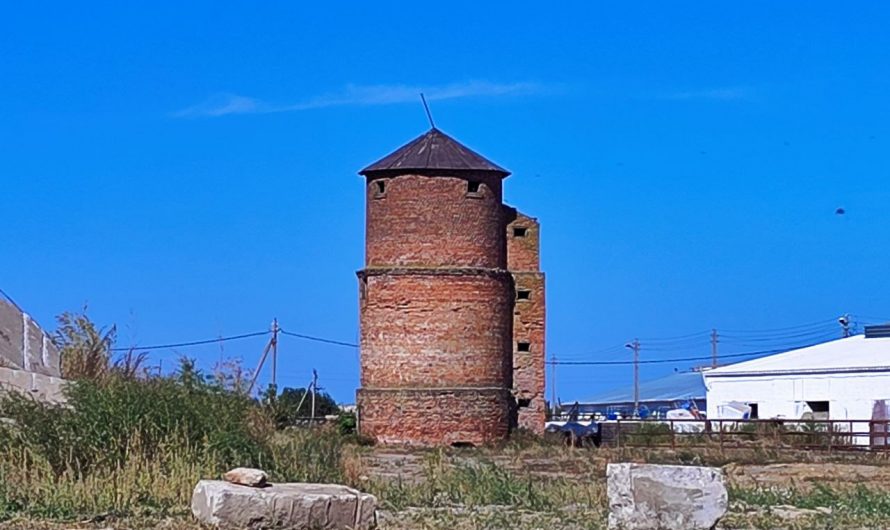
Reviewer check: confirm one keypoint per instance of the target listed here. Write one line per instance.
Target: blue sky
(189, 171)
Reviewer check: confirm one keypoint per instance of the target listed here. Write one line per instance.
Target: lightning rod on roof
(427, 109)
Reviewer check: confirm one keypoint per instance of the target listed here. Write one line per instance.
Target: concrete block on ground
(287, 506)
(657, 497)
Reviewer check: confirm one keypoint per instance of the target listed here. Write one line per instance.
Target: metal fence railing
(828, 435)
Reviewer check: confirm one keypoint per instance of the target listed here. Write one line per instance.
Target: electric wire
(663, 361)
(777, 330)
(192, 343)
(319, 339)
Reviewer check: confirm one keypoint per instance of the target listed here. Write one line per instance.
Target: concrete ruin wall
(29, 362)
(24, 345)
(523, 261)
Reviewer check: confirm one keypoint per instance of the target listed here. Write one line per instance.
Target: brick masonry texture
(523, 253)
(435, 417)
(432, 221)
(438, 314)
(436, 329)
(529, 316)
(528, 367)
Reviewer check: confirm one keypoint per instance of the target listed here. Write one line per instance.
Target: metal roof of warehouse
(851, 354)
(675, 387)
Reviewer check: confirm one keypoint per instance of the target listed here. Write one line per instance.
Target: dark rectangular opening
(524, 402)
(380, 187)
(524, 346)
(520, 231)
(473, 186)
(818, 406)
(754, 412)
(523, 294)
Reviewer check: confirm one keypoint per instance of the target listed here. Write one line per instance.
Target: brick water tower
(438, 303)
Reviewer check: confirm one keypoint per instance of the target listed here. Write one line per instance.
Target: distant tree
(293, 404)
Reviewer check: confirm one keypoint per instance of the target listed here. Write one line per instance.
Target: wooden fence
(823, 435)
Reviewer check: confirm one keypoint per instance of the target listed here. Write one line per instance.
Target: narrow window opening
(524, 402)
(524, 346)
(473, 186)
(520, 231)
(754, 414)
(459, 445)
(380, 187)
(523, 294)
(818, 406)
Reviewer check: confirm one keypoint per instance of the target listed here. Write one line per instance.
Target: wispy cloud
(721, 93)
(226, 104)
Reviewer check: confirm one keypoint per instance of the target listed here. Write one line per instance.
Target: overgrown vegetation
(133, 446)
(484, 483)
(128, 443)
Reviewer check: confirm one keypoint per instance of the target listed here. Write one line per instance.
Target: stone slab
(659, 497)
(286, 506)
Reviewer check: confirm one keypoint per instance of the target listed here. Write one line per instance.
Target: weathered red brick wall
(434, 417)
(436, 328)
(436, 311)
(433, 221)
(528, 367)
(529, 317)
(523, 252)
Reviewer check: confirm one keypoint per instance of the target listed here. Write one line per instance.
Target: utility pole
(553, 385)
(714, 340)
(635, 346)
(273, 343)
(314, 388)
(275, 352)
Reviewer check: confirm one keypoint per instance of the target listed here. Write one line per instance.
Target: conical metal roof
(433, 150)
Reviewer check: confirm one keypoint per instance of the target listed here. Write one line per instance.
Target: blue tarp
(675, 387)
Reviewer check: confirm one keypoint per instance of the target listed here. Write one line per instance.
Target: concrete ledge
(45, 388)
(287, 506)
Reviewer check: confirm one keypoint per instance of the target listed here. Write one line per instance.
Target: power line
(678, 338)
(192, 343)
(781, 338)
(799, 327)
(662, 361)
(319, 339)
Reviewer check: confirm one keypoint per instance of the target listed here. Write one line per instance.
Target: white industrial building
(845, 379)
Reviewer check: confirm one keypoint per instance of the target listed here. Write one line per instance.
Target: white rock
(247, 476)
(655, 497)
(291, 506)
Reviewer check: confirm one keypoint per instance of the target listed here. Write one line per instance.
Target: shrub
(347, 423)
(104, 423)
(126, 446)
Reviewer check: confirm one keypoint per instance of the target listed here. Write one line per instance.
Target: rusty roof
(433, 150)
